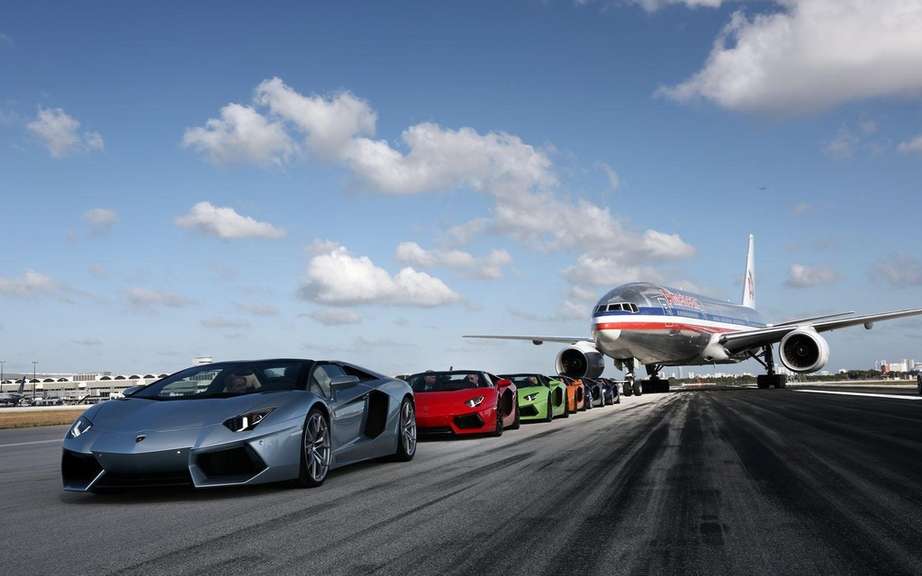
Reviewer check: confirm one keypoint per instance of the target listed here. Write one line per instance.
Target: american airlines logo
(681, 300)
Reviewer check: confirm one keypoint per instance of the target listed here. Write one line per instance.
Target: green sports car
(540, 398)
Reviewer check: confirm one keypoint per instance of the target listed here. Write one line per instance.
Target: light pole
(34, 362)
(2, 362)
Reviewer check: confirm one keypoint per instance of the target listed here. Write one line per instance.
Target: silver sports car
(235, 423)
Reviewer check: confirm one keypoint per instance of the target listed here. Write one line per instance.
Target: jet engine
(580, 359)
(804, 350)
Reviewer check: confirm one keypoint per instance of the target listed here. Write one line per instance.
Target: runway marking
(30, 443)
(868, 394)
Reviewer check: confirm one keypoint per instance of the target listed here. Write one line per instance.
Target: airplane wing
(800, 321)
(536, 340)
(738, 341)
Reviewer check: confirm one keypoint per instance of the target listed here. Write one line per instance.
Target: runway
(704, 482)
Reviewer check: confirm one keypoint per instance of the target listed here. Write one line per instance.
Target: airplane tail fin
(749, 280)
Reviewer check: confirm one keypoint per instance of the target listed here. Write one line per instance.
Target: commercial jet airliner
(659, 326)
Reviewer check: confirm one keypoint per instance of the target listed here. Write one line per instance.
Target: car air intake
(78, 470)
(235, 464)
(468, 421)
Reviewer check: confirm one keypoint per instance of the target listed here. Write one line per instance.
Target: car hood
(531, 390)
(133, 414)
(452, 402)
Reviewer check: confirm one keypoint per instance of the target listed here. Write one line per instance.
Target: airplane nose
(607, 336)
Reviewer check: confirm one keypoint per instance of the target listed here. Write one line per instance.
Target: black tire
(306, 478)
(406, 446)
(498, 431)
(550, 409)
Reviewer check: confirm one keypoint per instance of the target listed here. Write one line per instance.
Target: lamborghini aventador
(539, 397)
(236, 423)
(462, 402)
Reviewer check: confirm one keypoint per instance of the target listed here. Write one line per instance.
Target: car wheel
(316, 449)
(550, 410)
(406, 441)
(498, 431)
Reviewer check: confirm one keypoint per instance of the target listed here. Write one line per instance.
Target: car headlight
(474, 402)
(80, 427)
(247, 421)
(531, 397)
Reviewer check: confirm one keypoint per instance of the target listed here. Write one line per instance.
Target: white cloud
(330, 124)
(608, 270)
(488, 267)
(30, 284)
(900, 271)
(802, 276)
(147, 298)
(614, 181)
(913, 145)
(338, 278)
(335, 316)
(61, 134)
(812, 54)
(258, 309)
(519, 177)
(226, 223)
(654, 5)
(241, 135)
(843, 145)
(466, 232)
(100, 219)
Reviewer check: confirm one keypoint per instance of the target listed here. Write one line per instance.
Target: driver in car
(236, 384)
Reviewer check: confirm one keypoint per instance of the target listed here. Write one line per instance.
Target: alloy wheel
(317, 447)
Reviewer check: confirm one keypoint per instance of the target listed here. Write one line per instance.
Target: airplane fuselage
(665, 326)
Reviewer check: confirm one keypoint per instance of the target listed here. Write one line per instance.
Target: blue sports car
(236, 423)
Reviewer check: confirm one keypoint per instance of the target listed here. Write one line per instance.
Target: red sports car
(464, 402)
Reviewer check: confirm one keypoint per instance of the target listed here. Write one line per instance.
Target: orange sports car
(576, 399)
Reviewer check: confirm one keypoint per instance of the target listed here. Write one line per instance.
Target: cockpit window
(615, 308)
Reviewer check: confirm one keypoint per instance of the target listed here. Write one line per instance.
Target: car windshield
(526, 380)
(447, 381)
(224, 380)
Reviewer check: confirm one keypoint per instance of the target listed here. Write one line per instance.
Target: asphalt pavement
(705, 482)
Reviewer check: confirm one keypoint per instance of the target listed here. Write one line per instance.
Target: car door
(348, 403)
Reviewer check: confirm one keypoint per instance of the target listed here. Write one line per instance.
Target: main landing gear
(655, 383)
(770, 380)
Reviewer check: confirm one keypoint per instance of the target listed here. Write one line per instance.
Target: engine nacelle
(804, 350)
(581, 359)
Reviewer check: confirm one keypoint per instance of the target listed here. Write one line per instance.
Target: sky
(368, 181)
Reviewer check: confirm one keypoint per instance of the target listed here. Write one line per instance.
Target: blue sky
(356, 127)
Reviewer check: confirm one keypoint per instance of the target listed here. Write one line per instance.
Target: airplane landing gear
(770, 380)
(631, 387)
(655, 383)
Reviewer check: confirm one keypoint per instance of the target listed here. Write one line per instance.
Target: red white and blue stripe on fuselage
(655, 318)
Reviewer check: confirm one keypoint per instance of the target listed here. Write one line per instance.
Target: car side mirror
(343, 381)
(131, 390)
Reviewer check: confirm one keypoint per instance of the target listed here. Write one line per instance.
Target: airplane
(658, 326)
(13, 398)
